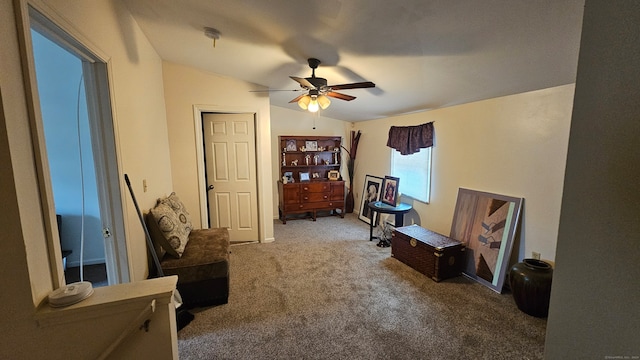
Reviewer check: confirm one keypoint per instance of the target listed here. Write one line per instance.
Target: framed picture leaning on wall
(486, 224)
(370, 193)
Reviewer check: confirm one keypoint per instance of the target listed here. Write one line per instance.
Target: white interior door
(230, 165)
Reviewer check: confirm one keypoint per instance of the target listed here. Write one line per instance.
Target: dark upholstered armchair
(201, 261)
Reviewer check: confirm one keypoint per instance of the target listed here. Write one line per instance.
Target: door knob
(209, 188)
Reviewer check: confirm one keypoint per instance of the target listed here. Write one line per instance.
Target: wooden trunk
(430, 253)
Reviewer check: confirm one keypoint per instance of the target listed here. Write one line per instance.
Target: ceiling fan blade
(296, 99)
(303, 82)
(272, 90)
(358, 85)
(340, 96)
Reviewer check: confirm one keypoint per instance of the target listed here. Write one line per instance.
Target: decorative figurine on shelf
(321, 148)
(284, 161)
(336, 149)
(315, 159)
(302, 148)
(326, 162)
(335, 158)
(306, 159)
(294, 162)
(315, 175)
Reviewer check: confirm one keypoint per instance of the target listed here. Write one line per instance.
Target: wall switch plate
(535, 255)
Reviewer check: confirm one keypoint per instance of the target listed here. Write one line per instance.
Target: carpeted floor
(323, 291)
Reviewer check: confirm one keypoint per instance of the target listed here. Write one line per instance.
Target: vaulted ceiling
(421, 54)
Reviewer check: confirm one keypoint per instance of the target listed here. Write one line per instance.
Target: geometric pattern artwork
(486, 224)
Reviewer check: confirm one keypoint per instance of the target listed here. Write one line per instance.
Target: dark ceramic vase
(530, 282)
(349, 202)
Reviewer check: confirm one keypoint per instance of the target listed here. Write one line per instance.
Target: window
(414, 172)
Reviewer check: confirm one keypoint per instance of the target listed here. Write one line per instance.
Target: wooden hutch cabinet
(308, 165)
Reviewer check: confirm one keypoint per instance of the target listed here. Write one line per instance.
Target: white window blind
(414, 172)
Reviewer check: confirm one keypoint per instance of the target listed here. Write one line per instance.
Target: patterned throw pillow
(172, 229)
(174, 202)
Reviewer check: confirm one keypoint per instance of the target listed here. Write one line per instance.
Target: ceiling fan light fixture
(304, 102)
(324, 101)
(319, 92)
(313, 105)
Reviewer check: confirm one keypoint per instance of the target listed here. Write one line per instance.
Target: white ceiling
(421, 54)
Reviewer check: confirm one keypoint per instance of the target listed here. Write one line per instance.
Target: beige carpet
(323, 291)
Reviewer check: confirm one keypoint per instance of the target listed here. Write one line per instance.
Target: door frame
(98, 85)
(198, 110)
(104, 134)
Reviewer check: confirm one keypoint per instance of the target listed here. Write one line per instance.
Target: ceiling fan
(319, 92)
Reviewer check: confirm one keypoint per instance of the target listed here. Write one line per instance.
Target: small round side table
(380, 207)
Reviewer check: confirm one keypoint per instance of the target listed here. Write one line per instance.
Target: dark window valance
(410, 139)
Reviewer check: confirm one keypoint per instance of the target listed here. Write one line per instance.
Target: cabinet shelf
(309, 151)
(318, 194)
(327, 160)
(309, 166)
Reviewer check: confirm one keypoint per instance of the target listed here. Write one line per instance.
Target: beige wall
(187, 87)
(595, 308)
(514, 145)
(297, 122)
(136, 84)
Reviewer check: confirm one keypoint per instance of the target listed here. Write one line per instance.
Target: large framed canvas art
(486, 224)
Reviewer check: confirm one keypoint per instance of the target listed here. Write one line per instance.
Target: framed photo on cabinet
(291, 145)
